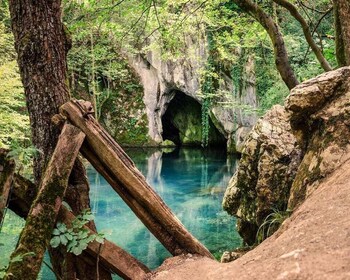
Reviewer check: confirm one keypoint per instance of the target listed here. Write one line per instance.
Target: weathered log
(130, 184)
(7, 169)
(111, 256)
(43, 213)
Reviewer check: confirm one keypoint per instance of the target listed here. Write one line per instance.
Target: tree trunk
(306, 29)
(342, 31)
(271, 27)
(42, 216)
(42, 42)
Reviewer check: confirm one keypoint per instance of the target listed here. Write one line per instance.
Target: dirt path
(313, 244)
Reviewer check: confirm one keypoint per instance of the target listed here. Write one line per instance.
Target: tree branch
(272, 29)
(306, 29)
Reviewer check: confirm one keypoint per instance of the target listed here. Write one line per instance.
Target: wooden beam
(7, 169)
(119, 170)
(111, 256)
(42, 216)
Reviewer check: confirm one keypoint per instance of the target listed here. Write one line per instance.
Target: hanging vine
(237, 76)
(207, 91)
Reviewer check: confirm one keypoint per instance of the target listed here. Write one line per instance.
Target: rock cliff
(164, 80)
(291, 150)
(270, 159)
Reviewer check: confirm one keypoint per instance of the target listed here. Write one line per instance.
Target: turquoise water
(190, 181)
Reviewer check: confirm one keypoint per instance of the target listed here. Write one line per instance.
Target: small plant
(271, 223)
(17, 258)
(23, 156)
(77, 237)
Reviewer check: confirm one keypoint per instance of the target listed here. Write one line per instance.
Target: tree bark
(42, 42)
(7, 169)
(42, 216)
(119, 170)
(342, 31)
(306, 29)
(271, 27)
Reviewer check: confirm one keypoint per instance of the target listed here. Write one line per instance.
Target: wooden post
(111, 256)
(43, 213)
(119, 170)
(7, 169)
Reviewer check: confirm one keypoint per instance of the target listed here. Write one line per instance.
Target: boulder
(320, 117)
(269, 161)
(291, 150)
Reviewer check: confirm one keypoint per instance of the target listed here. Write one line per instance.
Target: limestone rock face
(269, 161)
(162, 79)
(320, 116)
(291, 150)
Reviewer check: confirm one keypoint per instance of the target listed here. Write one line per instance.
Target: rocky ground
(314, 243)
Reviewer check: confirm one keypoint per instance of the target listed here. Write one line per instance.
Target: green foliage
(271, 223)
(77, 237)
(18, 258)
(207, 90)
(14, 121)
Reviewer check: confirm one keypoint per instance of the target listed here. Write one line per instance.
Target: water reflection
(190, 181)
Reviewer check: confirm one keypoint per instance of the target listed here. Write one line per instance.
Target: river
(190, 181)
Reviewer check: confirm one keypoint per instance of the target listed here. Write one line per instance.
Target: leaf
(64, 239)
(83, 234)
(77, 251)
(100, 239)
(83, 245)
(71, 245)
(68, 236)
(61, 227)
(90, 238)
(55, 241)
(56, 232)
(88, 217)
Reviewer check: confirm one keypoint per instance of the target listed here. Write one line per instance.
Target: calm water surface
(190, 181)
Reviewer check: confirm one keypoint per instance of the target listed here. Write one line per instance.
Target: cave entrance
(182, 123)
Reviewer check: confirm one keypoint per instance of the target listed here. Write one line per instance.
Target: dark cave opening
(182, 123)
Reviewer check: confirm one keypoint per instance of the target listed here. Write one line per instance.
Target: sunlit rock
(291, 151)
(320, 116)
(270, 159)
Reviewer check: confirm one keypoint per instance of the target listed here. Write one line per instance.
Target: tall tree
(42, 43)
(342, 30)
